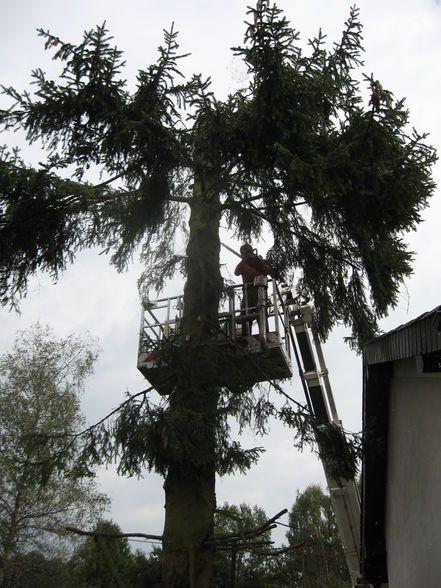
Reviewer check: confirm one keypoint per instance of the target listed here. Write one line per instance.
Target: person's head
(246, 249)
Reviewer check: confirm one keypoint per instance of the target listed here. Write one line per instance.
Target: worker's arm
(268, 269)
(238, 270)
(258, 264)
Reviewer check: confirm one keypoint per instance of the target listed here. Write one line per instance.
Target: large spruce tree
(308, 152)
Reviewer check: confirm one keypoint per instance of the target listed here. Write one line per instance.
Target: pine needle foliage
(338, 182)
(298, 153)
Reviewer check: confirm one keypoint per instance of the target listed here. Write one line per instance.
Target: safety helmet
(246, 249)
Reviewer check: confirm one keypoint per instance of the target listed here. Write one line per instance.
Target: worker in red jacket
(252, 265)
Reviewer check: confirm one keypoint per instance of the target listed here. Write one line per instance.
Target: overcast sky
(403, 51)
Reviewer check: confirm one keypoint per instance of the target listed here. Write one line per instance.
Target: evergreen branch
(111, 535)
(109, 181)
(231, 204)
(303, 410)
(238, 546)
(278, 551)
(266, 526)
(114, 411)
(181, 199)
(75, 436)
(341, 453)
(312, 238)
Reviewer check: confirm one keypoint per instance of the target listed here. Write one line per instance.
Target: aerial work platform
(253, 341)
(254, 344)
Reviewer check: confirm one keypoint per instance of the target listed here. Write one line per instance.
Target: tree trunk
(10, 539)
(190, 498)
(233, 566)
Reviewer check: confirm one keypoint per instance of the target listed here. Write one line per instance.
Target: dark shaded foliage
(338, 183)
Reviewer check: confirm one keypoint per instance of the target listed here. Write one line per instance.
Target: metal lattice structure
(253, 341)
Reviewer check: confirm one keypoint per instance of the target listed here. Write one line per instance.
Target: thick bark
(190, 498)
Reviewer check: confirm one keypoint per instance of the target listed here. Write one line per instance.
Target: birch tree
(41, 379)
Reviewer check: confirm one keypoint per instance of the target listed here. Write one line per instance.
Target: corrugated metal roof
(417, 337)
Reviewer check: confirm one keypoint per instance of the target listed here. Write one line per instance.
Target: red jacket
(256, 267)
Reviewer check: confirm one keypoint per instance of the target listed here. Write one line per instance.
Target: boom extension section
(344, 493)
